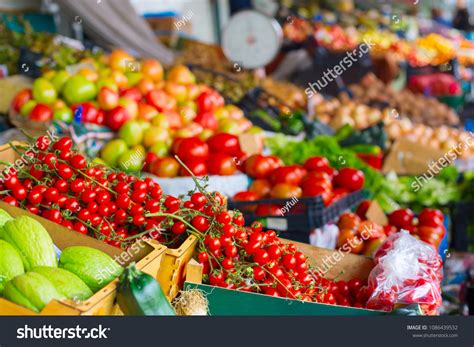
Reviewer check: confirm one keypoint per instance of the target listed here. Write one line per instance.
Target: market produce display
(118, 89)
(194, 184)
(417, 108)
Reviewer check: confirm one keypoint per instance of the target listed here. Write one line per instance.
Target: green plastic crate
(227, 302)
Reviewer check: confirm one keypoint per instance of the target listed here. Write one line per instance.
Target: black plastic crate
(462, 221)
(302, 216)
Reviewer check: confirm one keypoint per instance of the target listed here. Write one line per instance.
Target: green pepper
(139, 294)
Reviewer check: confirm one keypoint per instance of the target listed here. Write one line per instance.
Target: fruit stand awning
(116, 24)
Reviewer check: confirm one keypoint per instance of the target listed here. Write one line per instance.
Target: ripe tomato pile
(428, 227)
(316, 177)
(219, 155)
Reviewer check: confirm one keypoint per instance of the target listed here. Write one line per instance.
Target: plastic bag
(407, 271)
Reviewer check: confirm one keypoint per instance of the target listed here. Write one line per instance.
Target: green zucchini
(139, 294)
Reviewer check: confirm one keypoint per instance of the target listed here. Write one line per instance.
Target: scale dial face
(251, 39)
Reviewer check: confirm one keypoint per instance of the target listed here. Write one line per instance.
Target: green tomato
(131, 161)
(27, 107)
(59, 79)
(44, 91)
(63, 114)
(132, 133)
(79, 89)
(160, 149)
(113, 150)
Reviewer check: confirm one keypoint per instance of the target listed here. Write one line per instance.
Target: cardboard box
(148, 260)
(226, 302)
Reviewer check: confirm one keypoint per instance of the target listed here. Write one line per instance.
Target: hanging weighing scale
(251, 40)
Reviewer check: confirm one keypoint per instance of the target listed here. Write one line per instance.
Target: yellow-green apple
(131, 132)
(154, 135)
(44, 91)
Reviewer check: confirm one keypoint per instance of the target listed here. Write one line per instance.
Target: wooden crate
(148, 259)
(173, 268)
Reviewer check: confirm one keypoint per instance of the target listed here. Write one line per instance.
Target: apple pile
(116, 89)
(316, 177)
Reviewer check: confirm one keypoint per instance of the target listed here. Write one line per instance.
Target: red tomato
(362, 208)
(221, 164)
(209, 100)
(89, 112)
(197, 166)
(116, 117)
(20, 99)
(401, 218)
(259, 166)
(313, 190)
(348, 220)
(262, 187)
(425, 231)
(350, 178)
(165, 167)
(285, 191)
(288, 174)
(41, 113)
(191, 148)
(225, 143)
(430, 217)
(132, 93)
(389, 230)
(160, 100)
(268, 210)
(315, 163)
(245, 196)
(207, 120)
